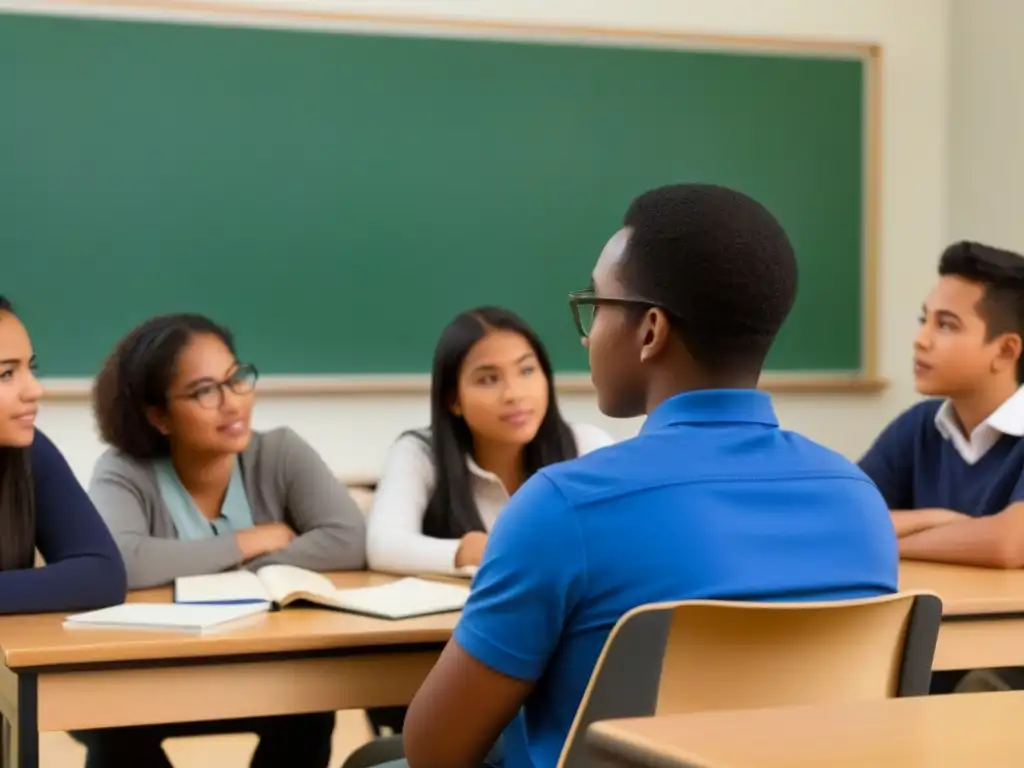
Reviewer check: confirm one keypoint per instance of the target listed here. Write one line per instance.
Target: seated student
(494, 423)
(711, 500)
(42, 505)
(189, 488)
(952, 469)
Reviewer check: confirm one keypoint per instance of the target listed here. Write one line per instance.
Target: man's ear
(654, 334)
(1008, 352)
(158, 418)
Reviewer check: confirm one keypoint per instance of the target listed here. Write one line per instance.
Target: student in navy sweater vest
(952, 467)
(42, 505)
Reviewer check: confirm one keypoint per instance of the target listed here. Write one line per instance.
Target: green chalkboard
(337, 197)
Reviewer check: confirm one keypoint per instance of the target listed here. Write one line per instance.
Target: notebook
(281, 585)
(196, 619)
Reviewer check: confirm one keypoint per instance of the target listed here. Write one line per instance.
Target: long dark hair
(452, 511)
(17, 501)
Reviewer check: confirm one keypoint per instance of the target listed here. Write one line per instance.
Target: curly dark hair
(136, 377)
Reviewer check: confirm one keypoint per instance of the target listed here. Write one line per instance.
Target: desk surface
(967, 591)
(41, 640)
(928, 731)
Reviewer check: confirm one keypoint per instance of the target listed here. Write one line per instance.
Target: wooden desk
(982, 614)
(922, 732)
(292, 661)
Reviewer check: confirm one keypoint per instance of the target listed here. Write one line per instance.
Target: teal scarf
(235, 514)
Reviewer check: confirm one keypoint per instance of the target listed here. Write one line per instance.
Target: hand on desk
(263, 539)
(471, 549)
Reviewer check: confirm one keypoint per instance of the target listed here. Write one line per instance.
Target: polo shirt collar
(1007, 419)
(706, 406)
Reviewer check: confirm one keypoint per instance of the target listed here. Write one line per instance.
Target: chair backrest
(697, 655)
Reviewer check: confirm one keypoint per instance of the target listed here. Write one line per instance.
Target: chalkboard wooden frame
(866, 380)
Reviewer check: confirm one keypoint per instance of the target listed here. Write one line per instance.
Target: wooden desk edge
(174, 652)
(77, 389)
(619, 749)
(983, 608)
(255, 688)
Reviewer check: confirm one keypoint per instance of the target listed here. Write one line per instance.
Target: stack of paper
(196, 619)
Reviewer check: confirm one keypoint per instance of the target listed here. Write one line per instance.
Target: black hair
(452, 511)
(719, 264)
(1001, 273)
(136, 377)
(17, 500)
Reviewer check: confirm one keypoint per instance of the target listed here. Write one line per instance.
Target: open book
(281, 585)
(466, 572)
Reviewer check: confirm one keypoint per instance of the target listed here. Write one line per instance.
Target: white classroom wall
(353, 432)
(986, 122)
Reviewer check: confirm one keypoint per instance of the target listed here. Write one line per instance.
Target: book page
(288, 582)
(404, 598)
(230, 587)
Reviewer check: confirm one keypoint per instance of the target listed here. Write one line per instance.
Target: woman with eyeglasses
(189, 488)
(42, 505)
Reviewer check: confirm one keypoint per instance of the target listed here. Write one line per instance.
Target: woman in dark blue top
(42, 505)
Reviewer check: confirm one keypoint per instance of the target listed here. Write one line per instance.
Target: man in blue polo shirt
(951, 467)
(711, 500)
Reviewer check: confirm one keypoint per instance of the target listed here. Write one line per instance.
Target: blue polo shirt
(916, 466)
(711, 500)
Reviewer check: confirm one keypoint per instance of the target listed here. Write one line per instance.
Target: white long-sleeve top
(395, 541)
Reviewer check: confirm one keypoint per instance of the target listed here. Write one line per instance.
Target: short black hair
(1001, 273)
(136, 376)
(720, 264)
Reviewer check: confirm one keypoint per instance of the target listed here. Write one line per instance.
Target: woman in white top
(494, 422)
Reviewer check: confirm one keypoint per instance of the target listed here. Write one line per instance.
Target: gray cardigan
(285, 481)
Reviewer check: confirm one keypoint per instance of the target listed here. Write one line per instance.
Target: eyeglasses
(584, 306)
(211, 395)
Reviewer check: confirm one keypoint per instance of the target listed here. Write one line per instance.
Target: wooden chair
(671, 658)
(699, 655)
